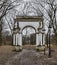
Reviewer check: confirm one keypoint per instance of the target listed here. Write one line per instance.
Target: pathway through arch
(26, 57)
(28, 35)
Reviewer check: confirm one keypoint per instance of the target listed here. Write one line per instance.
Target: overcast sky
(26, 8)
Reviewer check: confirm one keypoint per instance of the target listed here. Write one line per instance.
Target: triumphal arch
(34, 22)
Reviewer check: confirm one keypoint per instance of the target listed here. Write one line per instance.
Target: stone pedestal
(17, 41)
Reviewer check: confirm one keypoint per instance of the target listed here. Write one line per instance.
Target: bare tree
(50, 10)
(5, 7)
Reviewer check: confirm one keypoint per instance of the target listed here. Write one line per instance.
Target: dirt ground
(27, 56)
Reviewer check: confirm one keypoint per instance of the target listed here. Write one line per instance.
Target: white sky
(26, 0)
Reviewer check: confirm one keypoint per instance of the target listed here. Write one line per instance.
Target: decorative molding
(29, 18)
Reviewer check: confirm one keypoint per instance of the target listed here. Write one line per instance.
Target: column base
(18, 48)
(40, 48)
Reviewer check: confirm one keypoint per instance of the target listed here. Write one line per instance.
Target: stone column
(13, 39)
(20, 39)
(40, 38)
(37, 39)
(43, 39)
(16, 39)
(18, 42)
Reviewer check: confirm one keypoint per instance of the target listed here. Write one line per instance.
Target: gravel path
(26, 57)
(30, 57)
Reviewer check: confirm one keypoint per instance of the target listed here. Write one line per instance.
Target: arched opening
(28, 35)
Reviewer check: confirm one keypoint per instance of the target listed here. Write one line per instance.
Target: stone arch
(29, 39)
(28, 21)
(29, 26)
